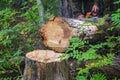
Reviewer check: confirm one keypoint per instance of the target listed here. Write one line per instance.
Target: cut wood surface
(44, 56)
(56, 34)
(45, 65)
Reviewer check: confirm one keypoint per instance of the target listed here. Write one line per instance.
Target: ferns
(99, 54)
(98, 76)
(82, 50)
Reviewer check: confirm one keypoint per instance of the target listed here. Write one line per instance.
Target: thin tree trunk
(41, 10)
(65, 9)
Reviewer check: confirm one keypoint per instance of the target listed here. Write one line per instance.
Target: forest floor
(108, 70)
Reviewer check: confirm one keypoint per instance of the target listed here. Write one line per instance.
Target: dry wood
(45, 65)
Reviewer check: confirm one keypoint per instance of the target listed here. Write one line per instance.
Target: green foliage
(95, 76)
(117, 2)
(98, 76)
(116, 18)
(98, 54)
(106, 60)
(17, 39)
(6, 16)
(19, 33)
(79, 51)
(51, 7)
(81, 78)
(84, 51)
(5, 4)
(31, 14)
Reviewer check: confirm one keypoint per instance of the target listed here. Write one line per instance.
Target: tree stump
(45, 65)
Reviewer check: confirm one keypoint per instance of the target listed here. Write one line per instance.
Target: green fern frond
(106, 60)
(98, 76)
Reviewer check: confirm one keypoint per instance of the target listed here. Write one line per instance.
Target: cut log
(56, 34)
(45, 65)
(82, 28)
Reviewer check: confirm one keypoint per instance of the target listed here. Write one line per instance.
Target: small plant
(98, 76)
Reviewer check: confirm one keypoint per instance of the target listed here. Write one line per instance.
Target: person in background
(81, 7)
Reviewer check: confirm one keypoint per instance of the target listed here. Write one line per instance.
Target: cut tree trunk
(82, 28)
(45, 65)
(56, 34)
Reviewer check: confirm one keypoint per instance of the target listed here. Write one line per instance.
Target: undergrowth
(19, 24)
(99, 54)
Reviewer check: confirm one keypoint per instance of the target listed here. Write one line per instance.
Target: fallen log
(45, 65)
(57, 32)
(84, 28)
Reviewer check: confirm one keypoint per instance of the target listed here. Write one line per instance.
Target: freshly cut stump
(45, 65)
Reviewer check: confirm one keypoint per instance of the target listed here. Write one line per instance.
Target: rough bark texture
(82, 28)
(45, 65)
(56, 34)
(65, 9)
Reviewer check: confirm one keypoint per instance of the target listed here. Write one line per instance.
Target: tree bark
(41, 10)
(65, 9)
(45, 65)
(82, 28)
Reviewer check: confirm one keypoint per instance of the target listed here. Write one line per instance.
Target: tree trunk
(45, 65)
(56, 34)
(41, 10)
(65, 9)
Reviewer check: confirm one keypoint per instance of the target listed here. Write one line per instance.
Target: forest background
(19, 24)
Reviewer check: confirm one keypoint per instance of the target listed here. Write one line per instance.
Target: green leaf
(81, 78)
(98, 76)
